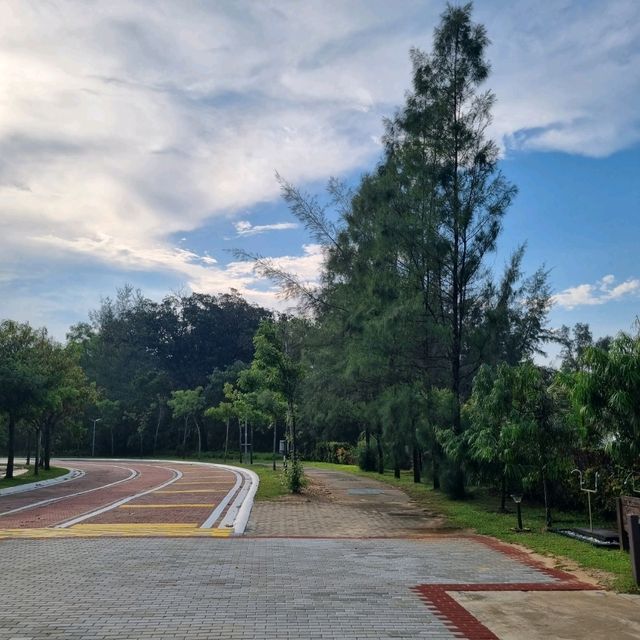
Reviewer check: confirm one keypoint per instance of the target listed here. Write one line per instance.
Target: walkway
(353, 559)
(344, 505)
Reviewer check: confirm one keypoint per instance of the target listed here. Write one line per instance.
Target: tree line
(411, 353)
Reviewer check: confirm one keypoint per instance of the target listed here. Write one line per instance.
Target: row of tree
(410, 346)
(42, 387)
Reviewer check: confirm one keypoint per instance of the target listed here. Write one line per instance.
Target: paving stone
(237, 588)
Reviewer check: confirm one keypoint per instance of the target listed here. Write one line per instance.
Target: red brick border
(460, 622)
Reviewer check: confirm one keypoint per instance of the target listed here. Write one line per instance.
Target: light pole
(93, 441)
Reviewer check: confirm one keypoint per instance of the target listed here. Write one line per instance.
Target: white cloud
(245, 228)
(123, 124)
(600, 292)
(198, 272)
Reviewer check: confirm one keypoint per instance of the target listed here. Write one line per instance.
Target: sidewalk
(343, 505)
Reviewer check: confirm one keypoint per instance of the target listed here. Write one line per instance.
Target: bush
(367, 457)
(336, 452)
(293, 476)
(452, 479)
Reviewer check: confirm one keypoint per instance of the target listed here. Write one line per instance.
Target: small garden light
(517, 498)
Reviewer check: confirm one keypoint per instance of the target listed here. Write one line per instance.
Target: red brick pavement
(464, 625)
(95, 493)
(198, 485)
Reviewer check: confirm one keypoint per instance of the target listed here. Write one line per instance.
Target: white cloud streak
(245, 228)
(603, 291)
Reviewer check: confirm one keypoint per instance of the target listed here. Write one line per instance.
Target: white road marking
(215, 514)
(109, 507)
(33, 505)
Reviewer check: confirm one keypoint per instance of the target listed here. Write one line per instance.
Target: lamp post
(517, 498)
(93, 440)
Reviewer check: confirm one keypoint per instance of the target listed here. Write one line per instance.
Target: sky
(139, 141)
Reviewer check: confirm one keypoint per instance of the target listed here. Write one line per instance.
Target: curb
(38, 484)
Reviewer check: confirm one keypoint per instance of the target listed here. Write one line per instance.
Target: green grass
(28, 477)
(270, 486)
(480, 514)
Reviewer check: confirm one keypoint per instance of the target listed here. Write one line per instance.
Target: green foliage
(338, 452)
(366, 457)
(406, 308)
(138, 351)
(606, 393)
(293, 477)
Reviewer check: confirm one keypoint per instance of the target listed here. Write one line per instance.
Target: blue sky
(139, 141)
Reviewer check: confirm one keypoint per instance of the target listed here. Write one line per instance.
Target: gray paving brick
(236, 589)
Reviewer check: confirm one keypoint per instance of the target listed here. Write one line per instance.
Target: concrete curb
(38, 484)
(240, 510)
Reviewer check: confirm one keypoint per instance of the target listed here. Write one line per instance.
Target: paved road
(364, 563)
(123, 494)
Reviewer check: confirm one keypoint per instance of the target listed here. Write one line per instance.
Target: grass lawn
(28, 477)
(270, 486)
(480, 513)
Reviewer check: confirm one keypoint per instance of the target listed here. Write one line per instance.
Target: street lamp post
(93, 440)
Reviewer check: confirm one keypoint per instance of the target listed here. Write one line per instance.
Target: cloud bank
(603, 291)
(123, 124)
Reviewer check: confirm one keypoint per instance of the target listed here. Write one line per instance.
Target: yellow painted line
(126, 526)
(188, 491)
(163, 506)
(127, 531)
(189, 484)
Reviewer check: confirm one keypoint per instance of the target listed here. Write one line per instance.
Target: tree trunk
(199, 438)
(111, 441)
(503, 493)
(380, 454)
(240, 438)
(28, 447)
(36, 455)
(226, 441)
(275, 434)
(547, 508)
(155, 435)
(435, 466)
(396, 470)
(48, 428)
(416, 464)
(292, 420)
(184, 438)
(251, 447)
(11, 444)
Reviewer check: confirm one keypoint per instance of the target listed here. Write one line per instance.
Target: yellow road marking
(188, 491)
(163, 506)
(117, 530)
(189, 484)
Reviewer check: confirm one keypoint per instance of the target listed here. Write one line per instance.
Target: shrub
(367, 457)
(293, 476)
(336, 452)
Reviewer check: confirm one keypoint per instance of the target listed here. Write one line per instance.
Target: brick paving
(239, 589)
(348, 506)
(354, 559)
(104, 483)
